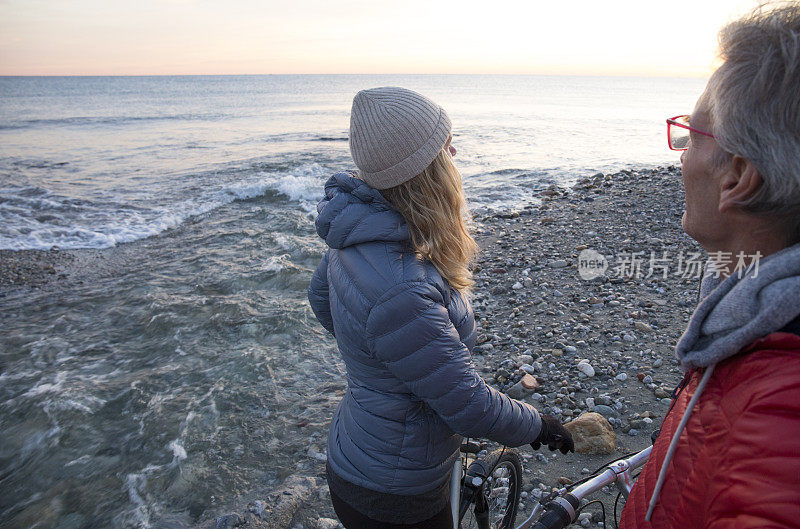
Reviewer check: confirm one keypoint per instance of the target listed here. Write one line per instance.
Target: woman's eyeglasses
(678, 132)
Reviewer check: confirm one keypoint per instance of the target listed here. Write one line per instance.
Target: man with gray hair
(728, 452)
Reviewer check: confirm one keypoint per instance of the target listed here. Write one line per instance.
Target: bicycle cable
(602, 509)
(616, 522)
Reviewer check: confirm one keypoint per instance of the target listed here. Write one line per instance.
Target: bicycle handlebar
(561, 512)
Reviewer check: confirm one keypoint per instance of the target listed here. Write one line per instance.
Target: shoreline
(534, 313)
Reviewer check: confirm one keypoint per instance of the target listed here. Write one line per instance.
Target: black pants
(352, 519)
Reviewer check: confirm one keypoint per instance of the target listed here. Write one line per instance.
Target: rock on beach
(592, 434)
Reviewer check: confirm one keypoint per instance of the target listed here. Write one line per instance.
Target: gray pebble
(606, 411)
(229, 521)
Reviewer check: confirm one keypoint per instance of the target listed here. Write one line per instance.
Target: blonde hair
(435, 210)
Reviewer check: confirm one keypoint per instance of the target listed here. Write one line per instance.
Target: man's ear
(741, 182)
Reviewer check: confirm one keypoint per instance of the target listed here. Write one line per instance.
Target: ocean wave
(108, 120)
(33, 218)
(330, 138)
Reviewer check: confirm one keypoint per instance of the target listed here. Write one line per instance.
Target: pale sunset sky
(573, 37)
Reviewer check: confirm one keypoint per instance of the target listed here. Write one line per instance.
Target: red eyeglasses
(678, 132)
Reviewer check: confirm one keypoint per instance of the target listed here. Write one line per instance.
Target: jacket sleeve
(410, 331)
(318, 295)
(758, 485)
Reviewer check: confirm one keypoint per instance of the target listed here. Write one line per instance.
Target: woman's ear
(739, 183)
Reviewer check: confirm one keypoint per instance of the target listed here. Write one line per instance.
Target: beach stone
(558, 263)
(661, 393)
(586, 368)
(529, 382)
(257, 507)
(280, 506)
(642, 326)
(658, 362)
(523, 388)
(592, 434)
(327, 523)
(229, 521)
(605, 411)
(622, 377)
(516, 286)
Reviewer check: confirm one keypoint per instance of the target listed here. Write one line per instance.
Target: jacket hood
(735, 312)
(352, 213)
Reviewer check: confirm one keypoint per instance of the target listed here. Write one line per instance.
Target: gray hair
(754, 101)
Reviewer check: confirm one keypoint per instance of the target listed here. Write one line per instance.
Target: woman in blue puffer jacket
(392, 289)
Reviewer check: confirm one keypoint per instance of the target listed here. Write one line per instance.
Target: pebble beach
(538, 317)
(602, 345)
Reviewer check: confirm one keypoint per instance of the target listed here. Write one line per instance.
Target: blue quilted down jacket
(405, 337)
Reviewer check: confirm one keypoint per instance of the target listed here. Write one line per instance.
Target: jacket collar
(735, 312)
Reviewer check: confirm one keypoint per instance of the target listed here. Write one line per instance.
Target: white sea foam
(36, 219)
(56, 386)
(178, 451)
(276, 263)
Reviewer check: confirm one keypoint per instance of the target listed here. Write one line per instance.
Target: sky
(556, 37)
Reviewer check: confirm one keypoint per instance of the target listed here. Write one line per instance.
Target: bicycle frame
(476, 473)
(459, 505)
(618, 473)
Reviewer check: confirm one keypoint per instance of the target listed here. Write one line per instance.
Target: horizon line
(350, 73)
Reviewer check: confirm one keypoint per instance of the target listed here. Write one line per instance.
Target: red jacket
(737, 463)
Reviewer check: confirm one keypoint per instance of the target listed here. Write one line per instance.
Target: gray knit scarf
(735, 312)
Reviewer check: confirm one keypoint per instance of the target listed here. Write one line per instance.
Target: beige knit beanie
(395, 134)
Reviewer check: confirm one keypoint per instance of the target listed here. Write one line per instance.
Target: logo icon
(591, 264)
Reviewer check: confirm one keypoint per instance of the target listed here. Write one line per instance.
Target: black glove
(554, 435)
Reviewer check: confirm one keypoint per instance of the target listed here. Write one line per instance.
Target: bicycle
(492, 484)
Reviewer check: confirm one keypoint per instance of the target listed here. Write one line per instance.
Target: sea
(185, 371)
